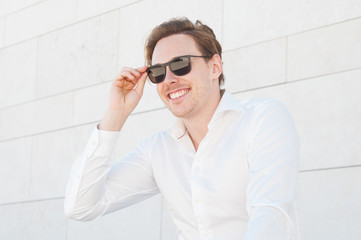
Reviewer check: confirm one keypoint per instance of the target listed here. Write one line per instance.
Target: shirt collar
(227, 103)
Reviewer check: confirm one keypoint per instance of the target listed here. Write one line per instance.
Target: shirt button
(198, 200)
(197, 168)
(94, 143)
(205, 233)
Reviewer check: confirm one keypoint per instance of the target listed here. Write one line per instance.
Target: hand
(125, 93)
(127, 90)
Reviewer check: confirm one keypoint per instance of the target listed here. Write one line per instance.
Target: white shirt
(240, 184)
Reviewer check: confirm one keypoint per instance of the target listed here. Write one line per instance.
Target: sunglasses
(179, 66)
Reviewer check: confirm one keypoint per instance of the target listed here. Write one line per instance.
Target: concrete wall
(57, 59)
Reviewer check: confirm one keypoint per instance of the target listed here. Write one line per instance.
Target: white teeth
(178, 94)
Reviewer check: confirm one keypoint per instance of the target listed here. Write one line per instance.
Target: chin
(181, 113)
(177, 113)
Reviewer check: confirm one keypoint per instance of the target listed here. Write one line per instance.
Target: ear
(217, 67)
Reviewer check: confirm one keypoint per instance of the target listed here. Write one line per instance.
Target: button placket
(197, 189)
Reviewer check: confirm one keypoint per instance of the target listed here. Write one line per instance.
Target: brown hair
(201, 33)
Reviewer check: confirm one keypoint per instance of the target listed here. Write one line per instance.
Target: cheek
(159, 89)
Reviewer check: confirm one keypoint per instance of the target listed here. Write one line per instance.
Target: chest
(216, 173)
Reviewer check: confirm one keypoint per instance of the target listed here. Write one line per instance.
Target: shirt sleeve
(96, 186)
(273, 169)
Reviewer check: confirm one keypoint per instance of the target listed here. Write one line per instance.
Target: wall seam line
(74, 126)
(330, 168)
(290, 35)
(286, 59)
(30, 201)
(22, 9)
(241, 91)
(296, 81)
(68, 25)
(161, 108)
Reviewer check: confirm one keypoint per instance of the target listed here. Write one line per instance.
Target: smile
(178, 94)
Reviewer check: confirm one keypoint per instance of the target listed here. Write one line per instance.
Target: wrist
(113, 120)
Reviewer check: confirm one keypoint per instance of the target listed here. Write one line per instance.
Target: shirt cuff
(101, 142)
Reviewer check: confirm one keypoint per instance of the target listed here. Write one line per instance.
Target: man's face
(188, 95)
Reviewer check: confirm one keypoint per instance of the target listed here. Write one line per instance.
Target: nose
(170, 77)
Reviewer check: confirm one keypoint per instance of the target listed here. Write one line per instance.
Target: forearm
(113, 120)
(87, 180)
(86, 194)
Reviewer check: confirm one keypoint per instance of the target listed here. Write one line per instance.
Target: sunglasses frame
(164, 65)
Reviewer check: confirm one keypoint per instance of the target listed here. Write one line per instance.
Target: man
(227, 170)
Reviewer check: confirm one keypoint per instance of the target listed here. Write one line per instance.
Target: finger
(126, 75)
(140, 84)
(133, 71)
(142, 69)
(126, 81)
(125, 85)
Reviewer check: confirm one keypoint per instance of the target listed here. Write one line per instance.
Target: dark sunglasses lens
(156, 74)
(180, 66)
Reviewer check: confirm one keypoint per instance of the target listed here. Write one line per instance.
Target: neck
(197, 130)
(197, 126)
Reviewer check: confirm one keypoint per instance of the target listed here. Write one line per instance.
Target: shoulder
(267, 116)
(264, 112)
